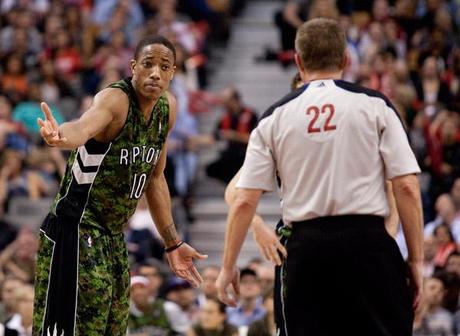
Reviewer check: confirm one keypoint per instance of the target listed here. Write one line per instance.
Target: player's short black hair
(154, 39)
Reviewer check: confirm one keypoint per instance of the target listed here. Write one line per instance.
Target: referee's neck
(316, 75)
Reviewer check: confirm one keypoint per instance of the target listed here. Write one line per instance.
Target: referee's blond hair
(320, 44)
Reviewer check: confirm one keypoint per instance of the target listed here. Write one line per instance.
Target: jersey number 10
(313, 127)
(138, 186)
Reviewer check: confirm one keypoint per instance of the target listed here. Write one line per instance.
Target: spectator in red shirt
(65, 55)
(234, 127)
(445, 244)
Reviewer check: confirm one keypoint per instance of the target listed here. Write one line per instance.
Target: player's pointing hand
(49, 128)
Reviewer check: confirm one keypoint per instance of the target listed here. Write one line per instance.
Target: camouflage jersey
(103, 181)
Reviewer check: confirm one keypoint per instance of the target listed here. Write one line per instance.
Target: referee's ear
(300, 66)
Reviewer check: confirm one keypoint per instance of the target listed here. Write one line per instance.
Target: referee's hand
(416, 282)
(225, 278)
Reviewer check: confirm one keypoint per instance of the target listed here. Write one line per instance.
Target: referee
(333, 144)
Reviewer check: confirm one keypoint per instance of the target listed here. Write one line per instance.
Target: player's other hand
(416, 282)
(181, 262)
(224, 280)
(49, 128)
(268, 242)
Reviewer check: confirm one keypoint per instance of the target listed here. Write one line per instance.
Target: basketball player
(82, 280)
(333, 144)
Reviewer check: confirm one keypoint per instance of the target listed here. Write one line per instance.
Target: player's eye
(165, 67)
(147, 64)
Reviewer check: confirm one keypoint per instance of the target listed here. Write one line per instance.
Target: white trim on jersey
(81, 177)
(78, 238)
(49, 280)
(54, 332)
(90, 159)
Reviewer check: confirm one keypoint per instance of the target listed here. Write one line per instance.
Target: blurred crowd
(63, 52)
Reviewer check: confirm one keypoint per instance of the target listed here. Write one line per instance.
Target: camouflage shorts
(82, 282)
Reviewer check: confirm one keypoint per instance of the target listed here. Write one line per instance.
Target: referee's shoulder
(283, 101)
(356, 88)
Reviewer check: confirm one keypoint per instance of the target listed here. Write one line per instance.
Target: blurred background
(235, 58)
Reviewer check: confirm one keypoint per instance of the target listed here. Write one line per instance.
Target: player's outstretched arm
(265, 237)
(180, 255)
(70, 135)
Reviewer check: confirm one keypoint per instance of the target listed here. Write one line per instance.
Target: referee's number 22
(314, 126)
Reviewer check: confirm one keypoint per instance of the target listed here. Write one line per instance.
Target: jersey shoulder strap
(123, 84)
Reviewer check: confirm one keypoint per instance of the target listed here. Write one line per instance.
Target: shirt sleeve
(398, 157)
(258, 171)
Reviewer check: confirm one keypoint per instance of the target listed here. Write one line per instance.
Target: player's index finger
(46, 110)
(195, 274)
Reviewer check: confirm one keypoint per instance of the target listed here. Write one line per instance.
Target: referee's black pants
(345, 276)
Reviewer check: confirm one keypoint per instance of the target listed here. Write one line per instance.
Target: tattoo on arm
(169, 234)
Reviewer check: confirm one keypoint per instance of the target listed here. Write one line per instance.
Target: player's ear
(173, 71)
(133, 65)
